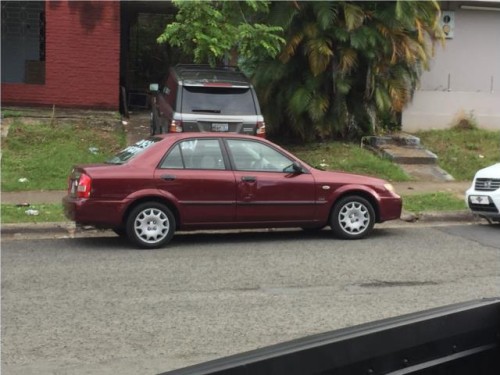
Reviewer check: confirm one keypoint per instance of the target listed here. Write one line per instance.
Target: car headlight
(389, 187)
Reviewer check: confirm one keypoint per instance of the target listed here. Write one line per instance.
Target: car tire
(353, 217)
(150, 225)
(154, 122)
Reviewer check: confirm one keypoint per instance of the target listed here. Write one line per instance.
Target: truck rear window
(218, 100)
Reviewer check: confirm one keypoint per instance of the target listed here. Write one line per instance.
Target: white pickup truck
(483, 197)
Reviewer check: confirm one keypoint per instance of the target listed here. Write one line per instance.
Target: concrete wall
(82, 58)
(464, 77)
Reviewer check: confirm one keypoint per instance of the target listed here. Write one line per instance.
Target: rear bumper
(98, 213)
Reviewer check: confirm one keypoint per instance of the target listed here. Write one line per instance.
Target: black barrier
(457, 339)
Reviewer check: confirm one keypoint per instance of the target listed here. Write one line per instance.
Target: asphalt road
(98, 306)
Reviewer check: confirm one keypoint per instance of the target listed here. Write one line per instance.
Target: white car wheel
(150, 225)
(353, 217)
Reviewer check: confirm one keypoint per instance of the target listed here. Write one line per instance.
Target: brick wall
(82, 58)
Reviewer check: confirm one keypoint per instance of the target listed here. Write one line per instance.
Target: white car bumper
(483, 197)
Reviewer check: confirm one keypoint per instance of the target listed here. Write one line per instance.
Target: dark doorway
(142, 59)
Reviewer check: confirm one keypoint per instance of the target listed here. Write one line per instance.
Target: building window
(23, 42)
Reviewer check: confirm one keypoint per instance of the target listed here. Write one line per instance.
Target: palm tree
(347, 67)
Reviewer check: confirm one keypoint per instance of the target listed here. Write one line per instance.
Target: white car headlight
(389, 187)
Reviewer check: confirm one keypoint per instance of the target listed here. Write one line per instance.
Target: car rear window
(132, 151)
(218, 100)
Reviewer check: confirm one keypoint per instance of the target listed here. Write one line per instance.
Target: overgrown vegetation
(348, 68)
(39, 156)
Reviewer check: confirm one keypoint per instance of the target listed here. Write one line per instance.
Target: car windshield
(223, 101)
(132, 151)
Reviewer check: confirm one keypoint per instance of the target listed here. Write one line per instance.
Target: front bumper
(390, 208)
(484, 203)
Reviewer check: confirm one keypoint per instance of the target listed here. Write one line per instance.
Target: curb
(47, 228)
(70, 229)
(435, 216)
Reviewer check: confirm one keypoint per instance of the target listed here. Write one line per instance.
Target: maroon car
(190, 181)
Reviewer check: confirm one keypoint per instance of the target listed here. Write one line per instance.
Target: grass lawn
(46, 213)
(39, 156)
(461, 152)
(433, 202)
(348, 157)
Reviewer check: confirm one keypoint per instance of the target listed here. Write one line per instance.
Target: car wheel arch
(360, 193)
(171, 206)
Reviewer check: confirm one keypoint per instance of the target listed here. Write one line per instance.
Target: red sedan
(191, 181)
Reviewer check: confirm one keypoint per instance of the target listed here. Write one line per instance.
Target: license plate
(220, 127)
(479, 199)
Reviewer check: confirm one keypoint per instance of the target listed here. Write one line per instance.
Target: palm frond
(354, 16)
(319, 53)
(290, 48)
(326, 13)
(318, 107)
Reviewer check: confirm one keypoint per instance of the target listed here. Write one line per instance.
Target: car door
(268, 190)
(194, 174)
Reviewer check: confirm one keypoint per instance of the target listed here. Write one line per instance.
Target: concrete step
(406, 151)
(401, 139)
(427, 172)
(407, 154)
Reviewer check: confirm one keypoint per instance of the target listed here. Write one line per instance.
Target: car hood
(493, 171)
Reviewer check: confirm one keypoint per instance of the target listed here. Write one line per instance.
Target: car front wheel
(150, 225)
(353, 217)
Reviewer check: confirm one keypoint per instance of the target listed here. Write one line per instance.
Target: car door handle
(249, 179)
(168, 177)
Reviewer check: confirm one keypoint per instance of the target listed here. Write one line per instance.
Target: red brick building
(78, 57)
(68, 53)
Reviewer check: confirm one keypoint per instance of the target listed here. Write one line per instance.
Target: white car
(483, 197)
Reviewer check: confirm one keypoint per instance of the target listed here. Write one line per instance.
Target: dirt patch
(104, 120)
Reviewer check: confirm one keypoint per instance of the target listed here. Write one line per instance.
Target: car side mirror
(153, 87)
(295, 168)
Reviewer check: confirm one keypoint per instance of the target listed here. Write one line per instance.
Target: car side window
(195, 154)
(174, 159)
(256, 156)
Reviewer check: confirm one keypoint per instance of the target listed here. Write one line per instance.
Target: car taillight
(175, 126)
(83, 186)
(261, 129)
